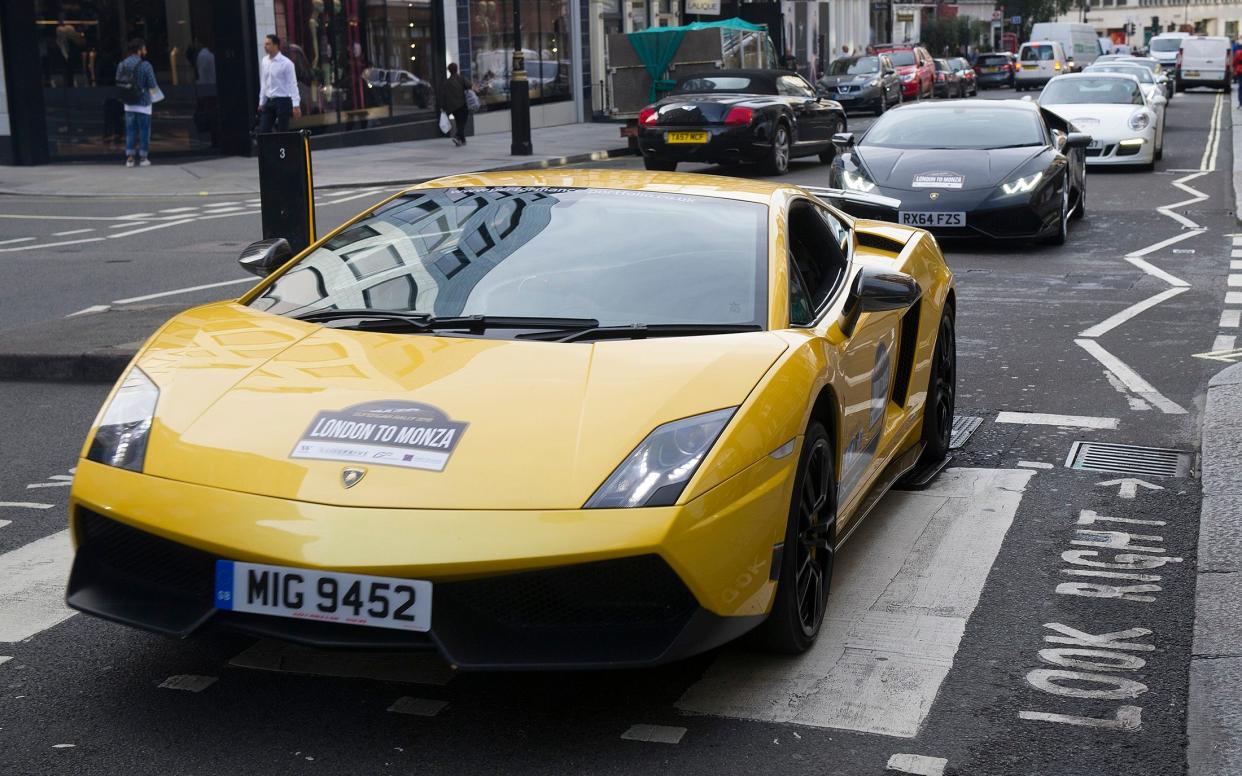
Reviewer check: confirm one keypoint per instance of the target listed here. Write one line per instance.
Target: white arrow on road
(1129, 486)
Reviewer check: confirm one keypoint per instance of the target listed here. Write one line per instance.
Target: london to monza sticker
(938, 180)
(386, 433)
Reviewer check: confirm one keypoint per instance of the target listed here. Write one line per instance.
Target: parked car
(994, 70)
(915, 68)
(1204, 61)
(970, 85)
(1039, 61)
(948, 80)
(868, 83)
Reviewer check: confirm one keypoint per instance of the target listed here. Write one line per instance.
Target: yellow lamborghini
(530, 420)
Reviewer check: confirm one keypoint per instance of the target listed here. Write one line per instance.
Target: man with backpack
(135, 79)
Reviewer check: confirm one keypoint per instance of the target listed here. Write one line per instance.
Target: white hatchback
(1111, 107)
(1038, 63)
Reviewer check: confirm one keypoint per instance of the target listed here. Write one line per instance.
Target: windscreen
(992, 60)
(1165, 45)
(1037, 54)
(725, 83)
(860, 66)
(901, 58)
(1143, 74)
(621, 257)
(1091, 91)
(956, 128)
(942, 66)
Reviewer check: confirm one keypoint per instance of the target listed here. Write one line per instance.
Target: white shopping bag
(156, 95)
(446, 125)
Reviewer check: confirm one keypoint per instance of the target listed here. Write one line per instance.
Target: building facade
(1111, 17)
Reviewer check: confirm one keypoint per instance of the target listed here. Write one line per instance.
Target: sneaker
(145, 162)
(129, 162)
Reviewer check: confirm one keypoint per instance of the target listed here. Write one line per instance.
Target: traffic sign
(1016, 21)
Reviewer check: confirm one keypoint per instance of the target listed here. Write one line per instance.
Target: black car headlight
(1023, 185)
(121, 439)
(656, 473)
(856, 181)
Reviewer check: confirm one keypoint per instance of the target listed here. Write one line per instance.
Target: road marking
(414, 668)
(3, 523)
(1235, 281)
(17, 240)
(188, 682)
(418, 707)
(1045, 419)
(1186, 235)
(1213, 141)
(656, 734)
(1034, 465)
(1129, 378)
(214, 209)
(1113, 321)
(1154, 271)
(182, 209)
(1236, 264)
(32, 587)
(1227, 356)
(1233, 297)
(1224, 342)
(150, 228)
(26, 504)
(917, 764)
(41, 246)
(347, 199)
(1236, 254)
(48, 485)
(95, 308)
(176, 291)
(4, 659)
(1129, 486)
(72, 231)
(1229, 319)
(24, 217)
(904, 587)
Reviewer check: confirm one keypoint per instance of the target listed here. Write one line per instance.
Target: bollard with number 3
(286, 187)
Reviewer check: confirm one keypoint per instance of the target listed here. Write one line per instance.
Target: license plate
(323, 596)
(685, 137)
(1191, 74)
(922, 218)
(845, 96)
(991, 69)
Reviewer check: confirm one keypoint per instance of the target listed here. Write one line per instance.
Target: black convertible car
(998, 168)
(731, 116)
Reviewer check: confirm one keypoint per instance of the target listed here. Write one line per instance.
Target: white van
(1039, 61)
(1204, 61)
(1079, 40)
(1164, 47)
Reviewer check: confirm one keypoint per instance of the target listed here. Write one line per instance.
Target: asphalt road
(1019, 617)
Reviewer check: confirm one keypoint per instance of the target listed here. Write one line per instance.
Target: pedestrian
(135, 78)
(1237, 74)
(452, 99)
(845, 50)
(278, 88)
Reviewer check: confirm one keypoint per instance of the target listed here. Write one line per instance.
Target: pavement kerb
(1214, 711)
(540, 164)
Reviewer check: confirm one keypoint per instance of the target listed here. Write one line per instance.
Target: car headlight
(656, 473)
(874, 83)
(908, 77)
(856, 181)
(1140, 120)
(121, 439)
(1022, 185)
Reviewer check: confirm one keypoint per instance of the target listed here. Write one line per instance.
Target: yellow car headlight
(121, 439)
(1022, 185)
(656, 473)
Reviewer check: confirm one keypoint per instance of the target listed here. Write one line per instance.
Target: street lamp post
(519, 91)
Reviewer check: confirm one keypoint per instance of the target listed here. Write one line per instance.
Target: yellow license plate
(991, 69)
(685, 137)
(1192, 73)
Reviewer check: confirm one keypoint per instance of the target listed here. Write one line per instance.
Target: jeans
(276, 114)
(137, 133)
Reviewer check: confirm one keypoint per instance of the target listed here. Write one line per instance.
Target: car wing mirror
(877, 290)
(843, 141)
(1078, 140)
(1028, 98)
(264, 257)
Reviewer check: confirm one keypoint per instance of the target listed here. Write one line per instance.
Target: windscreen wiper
(641, 331)
(390, 320)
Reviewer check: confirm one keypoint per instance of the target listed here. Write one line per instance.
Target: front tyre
(659, 165)
(941, 393)
(806, 557)
(1062, 233)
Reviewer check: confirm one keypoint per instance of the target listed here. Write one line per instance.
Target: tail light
(939, 76)
(647, 117)
(1005, 68)
(739, 116)
(1018, 66)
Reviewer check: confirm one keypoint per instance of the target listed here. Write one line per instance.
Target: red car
(914, 66)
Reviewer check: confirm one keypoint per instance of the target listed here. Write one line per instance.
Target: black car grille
(146, 558)
(1104, 151)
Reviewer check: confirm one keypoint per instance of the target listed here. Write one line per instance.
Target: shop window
(545, 47)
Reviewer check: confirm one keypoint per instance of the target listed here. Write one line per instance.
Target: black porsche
(731, 116)
(1002, 169)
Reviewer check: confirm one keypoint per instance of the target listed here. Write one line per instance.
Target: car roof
(717, 186)
(971, 105)
(1097, 74)
(756, 73)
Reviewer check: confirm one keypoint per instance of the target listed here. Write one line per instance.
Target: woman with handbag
(452, 99)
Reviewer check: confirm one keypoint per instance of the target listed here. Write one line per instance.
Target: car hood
(830, 81)
(245, 395)
(897, 168)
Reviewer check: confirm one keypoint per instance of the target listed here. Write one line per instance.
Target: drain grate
(1128, 459)
(963, 427)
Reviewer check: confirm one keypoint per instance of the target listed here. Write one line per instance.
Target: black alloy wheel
(777, 162)
(941, 393)
(807, 554)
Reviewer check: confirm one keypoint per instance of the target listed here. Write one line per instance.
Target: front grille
(627, 591)
(1105, 151)
(146, 558)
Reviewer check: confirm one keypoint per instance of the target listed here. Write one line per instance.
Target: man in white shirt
(278, 88)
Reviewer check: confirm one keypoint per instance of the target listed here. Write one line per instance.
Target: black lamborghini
(1002, 169)
(731, 116)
